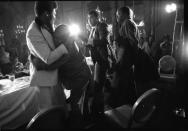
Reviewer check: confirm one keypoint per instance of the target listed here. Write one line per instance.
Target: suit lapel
(91, 34)
(48, 37)
(94, 33)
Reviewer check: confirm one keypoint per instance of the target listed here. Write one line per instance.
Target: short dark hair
(41, 7)
(94, 13)
(126, 10)
(103, 27)
(61, 33)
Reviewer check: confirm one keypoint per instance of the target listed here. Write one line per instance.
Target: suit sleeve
(131, 32)
(41, 49)
(40, 65)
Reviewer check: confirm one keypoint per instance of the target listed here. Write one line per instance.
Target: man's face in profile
(92, 20)
(120, 16)
(49, 18)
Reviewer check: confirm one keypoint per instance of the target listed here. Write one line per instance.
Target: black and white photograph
(93, 65)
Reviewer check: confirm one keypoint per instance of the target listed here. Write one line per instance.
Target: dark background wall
(151, 11)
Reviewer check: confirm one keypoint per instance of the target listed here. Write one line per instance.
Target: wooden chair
(52, 118)
(137, 115)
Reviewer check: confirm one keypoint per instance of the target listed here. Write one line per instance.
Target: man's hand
(64, 49)
(38, 63)
(90, 42)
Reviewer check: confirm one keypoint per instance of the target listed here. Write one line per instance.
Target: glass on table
(11, 77)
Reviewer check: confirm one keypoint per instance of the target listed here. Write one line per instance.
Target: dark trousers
(77, 93)
(99, 82)
(124, 90)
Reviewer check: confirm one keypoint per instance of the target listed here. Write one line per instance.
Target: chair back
(146, 105)
(52, 118)
(167, 65)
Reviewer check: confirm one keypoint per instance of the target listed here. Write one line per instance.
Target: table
(18, 102)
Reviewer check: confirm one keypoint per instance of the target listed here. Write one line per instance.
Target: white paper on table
(8, 86)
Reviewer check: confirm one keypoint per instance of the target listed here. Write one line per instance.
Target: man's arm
(38, 46)
(131, 32)
(40, 65)
(103, 51)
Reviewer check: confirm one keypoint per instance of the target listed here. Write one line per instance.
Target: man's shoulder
(32, 29)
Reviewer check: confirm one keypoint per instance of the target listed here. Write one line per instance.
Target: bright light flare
(171, 8)
(74, 30)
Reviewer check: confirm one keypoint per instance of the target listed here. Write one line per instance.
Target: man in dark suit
(97, 44)
(126, 39)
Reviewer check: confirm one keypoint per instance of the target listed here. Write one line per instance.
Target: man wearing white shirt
(41, 45)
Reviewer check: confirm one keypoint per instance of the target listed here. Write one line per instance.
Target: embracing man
(69, 64)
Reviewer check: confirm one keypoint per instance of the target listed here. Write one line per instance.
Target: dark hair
(126, 10)
(103, 27)
(94, 13)
(41, 7)
(61, 34)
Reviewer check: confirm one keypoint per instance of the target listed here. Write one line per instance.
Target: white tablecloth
(18, 102)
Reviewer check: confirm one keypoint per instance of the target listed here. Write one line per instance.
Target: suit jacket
(99, 51)
(40, 44)
(129, 30)
(127, 45)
